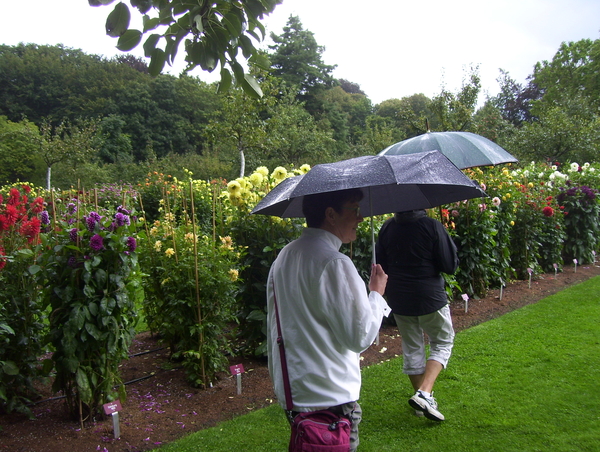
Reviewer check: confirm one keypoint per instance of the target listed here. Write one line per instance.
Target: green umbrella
(464, 149)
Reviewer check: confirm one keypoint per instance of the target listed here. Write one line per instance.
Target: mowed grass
(528, 381)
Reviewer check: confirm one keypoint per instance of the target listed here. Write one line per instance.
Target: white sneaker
(427, 405)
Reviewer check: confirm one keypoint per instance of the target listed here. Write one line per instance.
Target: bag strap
(284, 370)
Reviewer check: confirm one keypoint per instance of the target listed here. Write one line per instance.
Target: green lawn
(528, 381)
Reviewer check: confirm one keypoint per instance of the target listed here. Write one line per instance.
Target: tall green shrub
(501, 202)
(581, 217)
(192, 279)
(262, 237)
(552, 236)
(90, 272)
(21, 314)
(475, 239)
(525, 238)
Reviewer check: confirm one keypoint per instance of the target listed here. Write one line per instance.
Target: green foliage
(525, 239)
(504, 214)
(521, 196)
(514, 101)
(294, 136)
(59, 75)
(144, 118)
(474, 235)
(66, 143)
(347, 114)
(539, 220)
(475, 242)
(552, 236)
(377, 136)
(208, 166)
(562, 132)
(160, 115)
(114, 146)
(572, 72)
(239, 128)
(565, 113)
(454, 112)
(408, 116)
(91, 279)
(520, 227)
(297, 59)
(488, 122)
(18, 151)
(65, 176)
(275, 129)
(417, 114)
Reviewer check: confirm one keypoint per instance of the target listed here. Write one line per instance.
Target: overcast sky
(391, 48)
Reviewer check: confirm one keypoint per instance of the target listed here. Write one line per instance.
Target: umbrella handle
(373, 258)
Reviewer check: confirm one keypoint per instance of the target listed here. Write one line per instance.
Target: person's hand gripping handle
(378, 279)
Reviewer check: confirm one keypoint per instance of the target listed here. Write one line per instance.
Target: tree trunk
(48, 177)
(242, 163)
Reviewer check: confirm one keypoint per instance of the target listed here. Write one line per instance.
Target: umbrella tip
(427, 125)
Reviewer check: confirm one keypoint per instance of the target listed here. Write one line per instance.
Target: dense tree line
(69, 117)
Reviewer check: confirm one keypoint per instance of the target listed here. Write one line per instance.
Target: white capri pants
(438, 326)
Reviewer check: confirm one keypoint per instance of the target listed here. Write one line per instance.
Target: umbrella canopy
(464, 149)
(393, 183)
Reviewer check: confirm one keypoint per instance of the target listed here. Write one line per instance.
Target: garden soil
(162, 407)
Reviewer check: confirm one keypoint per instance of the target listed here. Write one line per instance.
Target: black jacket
(413, 250)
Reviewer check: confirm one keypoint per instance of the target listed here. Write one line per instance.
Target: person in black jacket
(414, 250)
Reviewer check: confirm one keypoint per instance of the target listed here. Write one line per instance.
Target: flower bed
(195, 264)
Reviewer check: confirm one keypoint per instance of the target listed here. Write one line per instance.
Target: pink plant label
(530, 270)
(465, 297)
(112, 407)
(555, 266)
(237, 369)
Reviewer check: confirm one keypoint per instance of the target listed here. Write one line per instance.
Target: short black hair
(314, 206)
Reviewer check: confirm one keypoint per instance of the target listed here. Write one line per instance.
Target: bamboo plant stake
(184, 204)
(145, 219)
(198, 304)
(214, 213)
(80, 203)
(79, 207)
(219, 203)
(168, 219)
(53, 210)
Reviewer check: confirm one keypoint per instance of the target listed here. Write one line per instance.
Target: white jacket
(327, 320)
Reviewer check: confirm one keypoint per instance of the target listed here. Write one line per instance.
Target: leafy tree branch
(212, 33)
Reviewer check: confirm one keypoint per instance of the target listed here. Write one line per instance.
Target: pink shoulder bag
(315, 431)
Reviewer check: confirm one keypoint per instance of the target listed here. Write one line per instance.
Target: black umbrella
(464, 149)
(393, 183)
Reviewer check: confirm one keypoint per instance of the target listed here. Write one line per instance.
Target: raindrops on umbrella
(391, 183)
